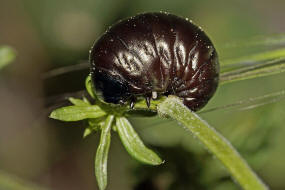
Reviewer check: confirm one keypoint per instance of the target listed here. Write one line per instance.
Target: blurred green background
(48, 34)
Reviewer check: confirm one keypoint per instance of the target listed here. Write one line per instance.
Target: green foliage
(134, 144)
(263, 56)
(7, 55)
(267, 68)
(77, 113)
(88, 85)
(102, 153)
(257, 57)
(101, 117)
(79, 102)
(10, 182)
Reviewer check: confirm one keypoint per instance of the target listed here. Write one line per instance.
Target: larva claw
(147, 99)
(132, 104)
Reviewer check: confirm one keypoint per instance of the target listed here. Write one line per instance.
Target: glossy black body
(155, 52)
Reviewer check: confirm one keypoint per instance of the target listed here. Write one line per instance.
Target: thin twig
(245, 103)
(258, 70)
(66, 69)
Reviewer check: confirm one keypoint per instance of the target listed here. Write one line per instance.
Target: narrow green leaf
(264, 69)
(214, 141)
(7, 55)
(78, 102)
(261, 56)
(95, 124)
(134, 144)
(76, 113)
(102, 153)
(88, 86)
(257, 41)
(250, 103)
(86, 100)
(87, 132)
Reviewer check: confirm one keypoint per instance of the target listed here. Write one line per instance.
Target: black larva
(152, 55)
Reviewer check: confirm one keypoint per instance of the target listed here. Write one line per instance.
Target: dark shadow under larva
(152, 55)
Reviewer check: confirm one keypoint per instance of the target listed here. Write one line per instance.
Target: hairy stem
(215, 142)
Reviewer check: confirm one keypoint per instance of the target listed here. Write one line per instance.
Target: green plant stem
(11, 182)
(215, 142)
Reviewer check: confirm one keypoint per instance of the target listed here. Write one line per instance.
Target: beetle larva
(152, 55)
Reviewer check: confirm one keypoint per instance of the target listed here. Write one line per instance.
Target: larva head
(109, 88)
